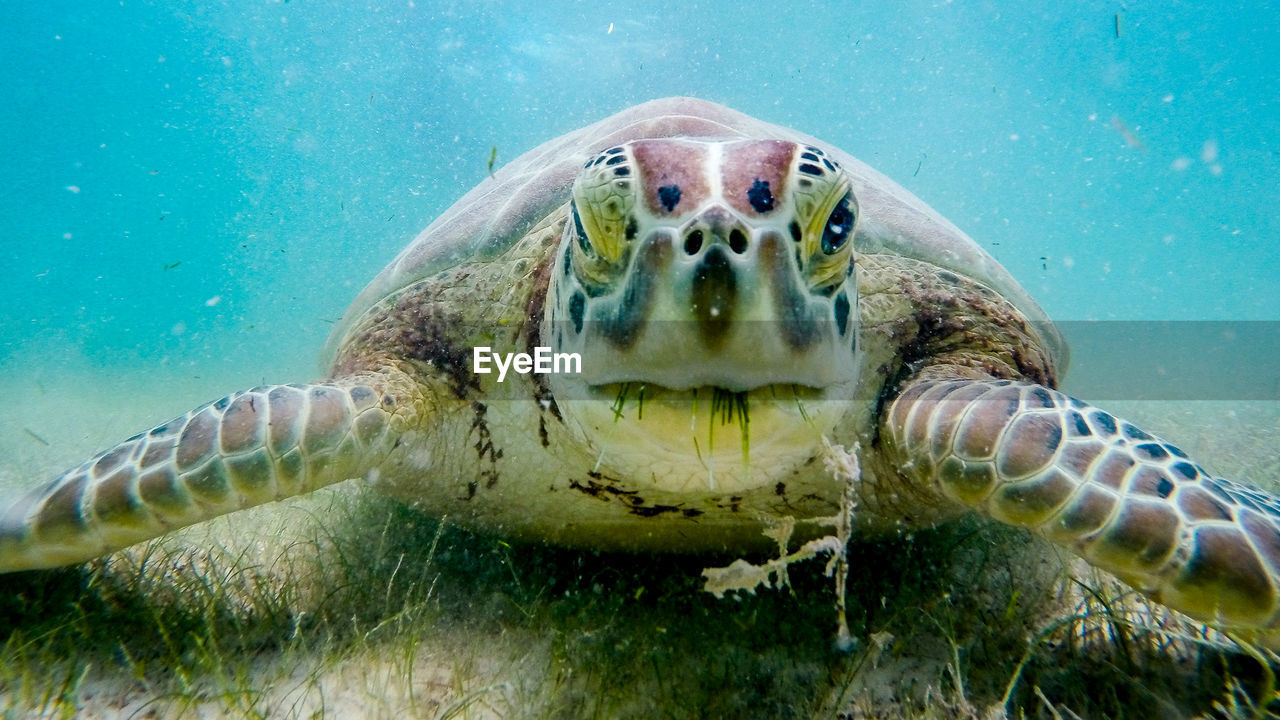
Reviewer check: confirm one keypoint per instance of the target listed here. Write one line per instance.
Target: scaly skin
(246, 449)
(1100, 487)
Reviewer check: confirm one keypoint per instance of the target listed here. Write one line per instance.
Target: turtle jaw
(702, 440)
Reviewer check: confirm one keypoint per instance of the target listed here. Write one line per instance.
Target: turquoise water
(204, 187)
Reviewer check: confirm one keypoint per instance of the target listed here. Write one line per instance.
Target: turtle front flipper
(1120, 498)
(246, 449)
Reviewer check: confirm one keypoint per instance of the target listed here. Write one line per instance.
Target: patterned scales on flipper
(243, 450)
(1117, 496)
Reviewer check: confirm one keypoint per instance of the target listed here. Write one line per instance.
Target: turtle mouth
(707, 406)
(726, 404)
(702, 438)
(629, 398)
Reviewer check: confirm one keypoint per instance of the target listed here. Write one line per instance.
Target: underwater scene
(194, 193)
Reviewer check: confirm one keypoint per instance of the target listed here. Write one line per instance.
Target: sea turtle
(640, 335)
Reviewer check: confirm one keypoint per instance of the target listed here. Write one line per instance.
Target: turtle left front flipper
(1123, 500)
(246, 449)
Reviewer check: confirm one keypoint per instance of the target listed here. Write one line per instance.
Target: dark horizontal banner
(1173, 360)
(1109, 360)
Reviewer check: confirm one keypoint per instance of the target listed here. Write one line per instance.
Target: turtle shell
(500, 210)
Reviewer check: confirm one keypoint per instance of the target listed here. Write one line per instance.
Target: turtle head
(712, 272)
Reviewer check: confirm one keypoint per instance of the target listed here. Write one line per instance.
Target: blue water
(203, 187)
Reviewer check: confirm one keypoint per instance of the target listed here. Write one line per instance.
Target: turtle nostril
(693, 242)
(737, 241)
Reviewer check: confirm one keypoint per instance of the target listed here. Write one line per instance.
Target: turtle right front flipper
(1120, 498)
(246, 449)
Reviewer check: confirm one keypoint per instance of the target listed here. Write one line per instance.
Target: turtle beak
(710, 240)
(714, 294)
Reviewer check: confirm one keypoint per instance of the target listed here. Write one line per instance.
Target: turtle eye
(839, 227)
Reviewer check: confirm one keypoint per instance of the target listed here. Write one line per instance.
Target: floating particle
(1130, 139)
(39, 439)
(1209, 151)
